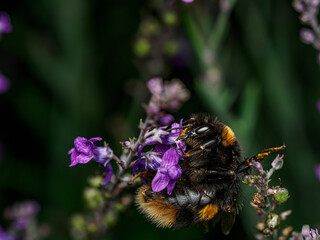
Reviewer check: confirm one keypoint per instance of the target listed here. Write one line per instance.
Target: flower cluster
(164, 158)
(309, 15)
(306, 233)
(5, 26)
(267, 199)
(23, 222)
(166, 96)
(85, 150)
(107, 200)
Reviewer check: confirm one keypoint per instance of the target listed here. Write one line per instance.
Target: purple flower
(155, 86)
(314, 233)
(151, 160)
(5, 235)
(165, 119)
(166, 96)
(85, 150)
(22, 214)
(163, 137)
(187, 1)
(307, 36)
(5, 26)
(4, 84)
(317, 169)
(168, 172)
(102, 155)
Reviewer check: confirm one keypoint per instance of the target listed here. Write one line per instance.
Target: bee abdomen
(156, 208)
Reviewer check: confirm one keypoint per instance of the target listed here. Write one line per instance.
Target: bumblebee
(209, 185)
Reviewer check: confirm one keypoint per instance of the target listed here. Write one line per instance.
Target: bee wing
(227, 222)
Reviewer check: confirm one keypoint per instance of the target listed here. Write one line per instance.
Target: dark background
(74, 72)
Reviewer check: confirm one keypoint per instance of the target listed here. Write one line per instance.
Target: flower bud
(273, 220)
(281, 195)
(110, 219)
(119, 207)
(260, 226)
(171, 48)
(92, 228)
(170, 18)
(92, 197)
(307, 36)
(78, 223)
(142, 47)
(95, 181)
(277, 163)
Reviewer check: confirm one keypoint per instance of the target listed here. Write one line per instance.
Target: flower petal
(83, 145)
(159, 182)
(108, 171)
(170, 158)
(94, 139)
(102, 154)
(166, 119)
(171, 186)
(174, 172)
(161, 148)
(83, 158)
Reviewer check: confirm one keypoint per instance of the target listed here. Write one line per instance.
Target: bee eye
(202, 130)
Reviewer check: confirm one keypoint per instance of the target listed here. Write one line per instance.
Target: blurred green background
(79, 68)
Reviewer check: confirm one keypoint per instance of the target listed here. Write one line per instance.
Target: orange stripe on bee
(208, 212)
(228, 136)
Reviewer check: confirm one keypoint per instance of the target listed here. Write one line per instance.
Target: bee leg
(206, 226)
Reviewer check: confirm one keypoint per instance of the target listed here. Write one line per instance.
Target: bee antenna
(183, 126)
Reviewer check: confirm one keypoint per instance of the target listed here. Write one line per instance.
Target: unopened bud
(110, 219)
(260, 226)
(92, 197)
(95, 181)
(142, 47)
(281, 195)
(78, 223)
(277, 163)
(273, 220)
(170, 18)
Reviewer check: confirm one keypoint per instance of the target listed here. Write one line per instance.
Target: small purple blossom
(187, 1)
(166, 95)
(164, 138)
(151, 160)
(155, 86)
(85, 151)
(5, 235)
(307, 36)
(168, 172)
(22, 214)
(165, 119)
(317, 169)
(4, 84)
(5, 26)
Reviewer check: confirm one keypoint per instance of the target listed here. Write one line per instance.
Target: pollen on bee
(208, 212)
(183, 132)
(228, 136)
